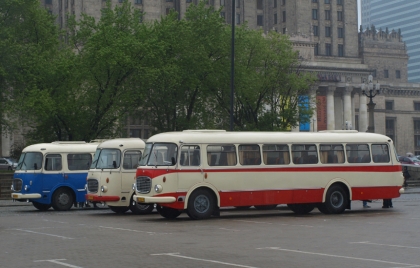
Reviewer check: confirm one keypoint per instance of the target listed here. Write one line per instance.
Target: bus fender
(202, 185)
(56, 187)
(340, 181)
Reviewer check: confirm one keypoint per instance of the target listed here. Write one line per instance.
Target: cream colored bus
(112, 173)
(200, 171)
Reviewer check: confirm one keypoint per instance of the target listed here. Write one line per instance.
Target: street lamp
(371, 104)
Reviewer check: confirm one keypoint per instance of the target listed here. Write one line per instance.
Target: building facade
(326, 34)
(397, 14)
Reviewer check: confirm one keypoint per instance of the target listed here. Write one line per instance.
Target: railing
(5, 183)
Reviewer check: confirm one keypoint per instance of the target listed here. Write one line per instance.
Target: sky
(358, 12)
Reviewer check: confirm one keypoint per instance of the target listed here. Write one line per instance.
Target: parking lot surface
(89, 237)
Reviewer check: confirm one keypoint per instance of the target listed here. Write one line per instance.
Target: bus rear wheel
(141, 208)
(336, 200)
(301, 208)
(201, 204)
(119, 210)
(266, 207)
(62, 199)
(40, 206)
(169, 213)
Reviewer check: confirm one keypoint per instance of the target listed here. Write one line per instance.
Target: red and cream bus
(200, 171)
(112, 173)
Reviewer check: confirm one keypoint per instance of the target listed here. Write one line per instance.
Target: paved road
(372, 237)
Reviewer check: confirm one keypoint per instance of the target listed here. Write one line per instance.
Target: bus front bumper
(98, 198)
(151, 199)
(25, 196)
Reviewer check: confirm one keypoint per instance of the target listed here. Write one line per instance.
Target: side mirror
(114, 164)
(35, 166)
(173, 160)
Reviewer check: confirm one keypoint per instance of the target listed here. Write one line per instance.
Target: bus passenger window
(304, 154)
(53, 162)
(331, 153)
(221, 155)
(249, 155)
(190, 155)
(131, 159)
(357, 153)
(79, 161)
(380, 153)
(276, 154)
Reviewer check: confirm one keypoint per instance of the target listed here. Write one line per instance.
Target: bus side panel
(77, 182)
(34, 181)
(378, 192)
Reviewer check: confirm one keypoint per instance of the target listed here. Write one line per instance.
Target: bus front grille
(17, 185)
(92, 185)
(143, 184)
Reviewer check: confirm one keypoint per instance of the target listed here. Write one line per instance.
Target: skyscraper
(397, 14)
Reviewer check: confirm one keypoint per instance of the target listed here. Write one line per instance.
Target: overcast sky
(359, 13)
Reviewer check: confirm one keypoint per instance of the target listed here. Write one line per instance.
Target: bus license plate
(140, 199)
(15, 196)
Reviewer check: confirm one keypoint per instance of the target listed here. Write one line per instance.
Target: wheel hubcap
(337, 199)
(201, 204)
(63, 199)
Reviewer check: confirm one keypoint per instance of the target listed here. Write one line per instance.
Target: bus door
(53, 171)
(129, 167)
(190, 166)
(78, 165)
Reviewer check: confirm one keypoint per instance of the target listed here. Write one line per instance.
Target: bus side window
(79, 161)
(53, 162)
(276, 154)
(380, 153)
(358, 153)
(249, 154)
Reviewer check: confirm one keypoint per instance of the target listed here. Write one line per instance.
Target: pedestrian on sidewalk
(365, 205)
(406, 175)
(387, 203)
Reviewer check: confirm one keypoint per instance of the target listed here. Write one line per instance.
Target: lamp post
(371, 105)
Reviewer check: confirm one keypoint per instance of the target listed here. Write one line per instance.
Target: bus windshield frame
(159, 154)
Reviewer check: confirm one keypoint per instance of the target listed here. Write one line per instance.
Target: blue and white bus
(53, 174)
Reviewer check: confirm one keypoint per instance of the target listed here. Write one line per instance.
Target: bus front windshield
(30, 161)
(159, 154)
(106, 158)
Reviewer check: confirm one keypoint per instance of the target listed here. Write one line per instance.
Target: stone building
(325, 33)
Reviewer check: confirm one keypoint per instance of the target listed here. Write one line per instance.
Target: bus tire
(40, 206)
(201, 204)
(265, 207)
(62, 199)
(301, 208)
(141, 208)
(336, 200)
(322, 208)
(169, 213)
(119, 210)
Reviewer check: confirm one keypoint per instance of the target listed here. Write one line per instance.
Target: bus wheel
(40, 206)
(265, 207)
(322, 208)
(62, 199)
(169, 213)
(301, 208)
(141, 208)
(336, 200)
(201, 204)
(119, 210)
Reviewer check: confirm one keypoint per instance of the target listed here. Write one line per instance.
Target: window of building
(275, 18)
(284, 16)
(260, 21)
(416, 106)
(386, 74)
(283, 2)
(327, 15)
(340, 32)
(417, 133)
(341, 50)
(327, 1)
(340, 15)
(340, 2)
(316, 50)
(284, 31)
(390, 128)
(398, 74)
(314, 1)
(138, 2)
(222, 3)
(238, 3)
(374, 73)
(168, 10)
(314, 14)
(238, 18)
(328, 49)
(327, 31)
(259, 4)
(275, 3)
(315, 30)
(120, 1)
(389, 105)
(223, 15)
(48, 2)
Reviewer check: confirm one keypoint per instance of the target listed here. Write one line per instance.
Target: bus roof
(123, 143)
(223, 137)
(62, 147)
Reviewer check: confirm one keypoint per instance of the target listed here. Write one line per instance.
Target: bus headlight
(12, 188)
(134, 186)
(104, 189)
(158, 188)
(26, 187)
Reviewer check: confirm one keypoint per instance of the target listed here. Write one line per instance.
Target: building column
(347, 108)
(330, 108)
(363, 124)
(314, 122)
